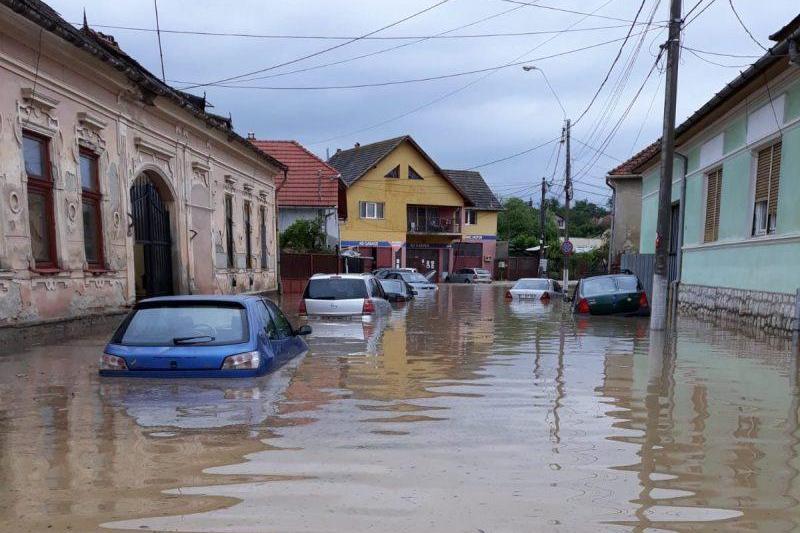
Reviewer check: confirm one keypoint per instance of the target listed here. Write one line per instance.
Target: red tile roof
(310, 181)
(631, 166)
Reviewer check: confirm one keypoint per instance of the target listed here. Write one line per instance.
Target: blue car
(202, 336)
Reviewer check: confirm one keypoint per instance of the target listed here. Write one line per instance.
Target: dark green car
(615, 294)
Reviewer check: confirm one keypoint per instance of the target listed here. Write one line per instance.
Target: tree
(305, 236)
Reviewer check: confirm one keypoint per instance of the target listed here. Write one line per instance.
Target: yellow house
(402, 209)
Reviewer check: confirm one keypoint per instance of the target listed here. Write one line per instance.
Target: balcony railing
(432, 220)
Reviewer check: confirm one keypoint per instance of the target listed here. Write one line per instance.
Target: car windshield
(413, 277)
(598, 286)
(627, 283)
(172, 325)
(532, 284)
(393, 285)
(336, 289)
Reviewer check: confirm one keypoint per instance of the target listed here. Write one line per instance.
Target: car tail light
(545, 296)
(242, 361)
(643, 300)
(509, 295)
(583, 306)
(369, 307)
(302, 307)
(112, 362)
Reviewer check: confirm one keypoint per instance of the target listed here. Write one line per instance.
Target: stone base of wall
(20, 337)
(772, 312)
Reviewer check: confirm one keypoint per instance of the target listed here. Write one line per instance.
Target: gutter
(277, 234)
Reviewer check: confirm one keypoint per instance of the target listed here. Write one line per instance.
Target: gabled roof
(106, 49)
(711, 110)
(309, 180)
(357, 161)
(471, 184)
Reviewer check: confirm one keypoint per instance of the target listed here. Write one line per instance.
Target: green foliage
(304, 236)
(585, 219)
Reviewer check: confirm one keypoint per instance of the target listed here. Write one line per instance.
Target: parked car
(397, 290)
(343, 295)
(470, 275)
(381, 273)
(202, 336)
(611, 294)
(534, 289)
(418, 282)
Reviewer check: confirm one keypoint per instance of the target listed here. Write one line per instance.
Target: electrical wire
(506, 158)
(745, 28)
(701, 58)
(562, 10)
(711, 3)
(320, 52)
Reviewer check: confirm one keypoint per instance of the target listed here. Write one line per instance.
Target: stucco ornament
(13, 202)
(72, 211)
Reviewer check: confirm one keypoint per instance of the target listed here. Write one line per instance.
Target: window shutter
(763, 167)
(713, 196)
(774, 179)
(379, 210)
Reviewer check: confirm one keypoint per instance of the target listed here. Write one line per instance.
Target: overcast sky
(461, 121)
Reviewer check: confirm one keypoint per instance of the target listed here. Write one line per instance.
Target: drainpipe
(277, 235)
(679, 250)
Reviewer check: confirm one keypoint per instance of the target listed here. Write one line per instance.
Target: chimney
(338, 150)
(358, 145)
(251, 136)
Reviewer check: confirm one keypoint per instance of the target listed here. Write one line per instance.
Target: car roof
(345, 276)
(612, 276)
(236, 298)
(535, 279)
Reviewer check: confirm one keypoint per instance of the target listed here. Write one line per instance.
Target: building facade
(402, 209)
(741, 221)
(309, 190)
(113, 185)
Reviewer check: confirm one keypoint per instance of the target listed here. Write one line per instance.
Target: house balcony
(434, 220)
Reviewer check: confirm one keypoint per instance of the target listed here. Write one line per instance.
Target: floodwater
(460, 412)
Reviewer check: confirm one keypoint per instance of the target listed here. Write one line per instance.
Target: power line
(552, 8)
(745, 28)
(506, 158)
(721, 54)
(160, 50)
(701, 58)
(408, 81)
(699, 13)
(320, 52)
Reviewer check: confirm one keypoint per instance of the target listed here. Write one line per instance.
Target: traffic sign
(566, 247)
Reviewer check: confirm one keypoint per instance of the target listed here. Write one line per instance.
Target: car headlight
(242, 361)
(112, 362)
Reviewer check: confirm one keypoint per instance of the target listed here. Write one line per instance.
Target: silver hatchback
(344, 295)
(470, 275)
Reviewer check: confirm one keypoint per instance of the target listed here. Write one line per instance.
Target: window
(262, 215)
(713, 194)
(394, 173)
(229, 228)
(92, 218)
(765, 201)
(370, 209)
(470, 217)
(35, 149)
(248, 233)
(170, 324)
(283, 327)
(335, 289)
(413, 174)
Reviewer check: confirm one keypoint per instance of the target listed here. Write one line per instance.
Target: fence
(517, 267)
(297, 268)
(643, 265)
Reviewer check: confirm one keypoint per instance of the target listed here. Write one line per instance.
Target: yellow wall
(396, 194)
(487, 224)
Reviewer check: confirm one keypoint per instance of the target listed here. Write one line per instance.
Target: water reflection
(460, 411)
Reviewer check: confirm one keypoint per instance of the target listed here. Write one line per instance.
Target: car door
(285, 342)
(264, 329)
(628, 292)
(379, 296)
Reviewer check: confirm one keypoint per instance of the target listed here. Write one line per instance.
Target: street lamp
(528, 68)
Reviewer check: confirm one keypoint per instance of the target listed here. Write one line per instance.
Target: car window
(627, 283)
(269, 324)
(283, 328)
(375, 289)
(393, 286)
(482, 272)
(598, 286)
(171, 324)
(532, 284)
(336, 289)
(413, 277)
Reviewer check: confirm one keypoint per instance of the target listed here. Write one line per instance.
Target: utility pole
(567, 198)
(658, 310)
(542, 270)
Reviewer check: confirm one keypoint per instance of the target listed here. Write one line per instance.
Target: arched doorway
(152, 249)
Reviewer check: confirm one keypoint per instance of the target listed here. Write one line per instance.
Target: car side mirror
(305, 329)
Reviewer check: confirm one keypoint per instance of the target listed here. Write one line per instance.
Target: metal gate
(152, 233)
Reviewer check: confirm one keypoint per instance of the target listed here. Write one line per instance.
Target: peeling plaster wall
(80, 102)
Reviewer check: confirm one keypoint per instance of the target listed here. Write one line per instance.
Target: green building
(740, 252)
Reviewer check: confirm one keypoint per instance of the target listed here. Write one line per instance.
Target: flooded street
(460, 412)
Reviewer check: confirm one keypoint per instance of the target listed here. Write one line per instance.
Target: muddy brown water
(460, 412)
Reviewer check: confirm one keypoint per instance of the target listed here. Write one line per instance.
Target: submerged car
(470, 275)
(343, 295)
(613, 294)
(397, 290)
(202, 336)
(534, 289)
(418, 282)
(381, 273)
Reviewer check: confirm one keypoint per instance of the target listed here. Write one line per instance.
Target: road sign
(543, 264)
(566, 247)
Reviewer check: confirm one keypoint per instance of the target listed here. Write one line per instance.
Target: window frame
(467, 213)
(43, 186)
(416, 175)
(93, 197)
(766, 231)
(363, 210)
(393, 174)
(229, 242)
(247, 218)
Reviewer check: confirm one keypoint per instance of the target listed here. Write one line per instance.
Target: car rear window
(393, 285)
(532, 284)
(627, 283)
(413, 277)
(598, 286)
(482, 272)
(336, 289)
(185, 324)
